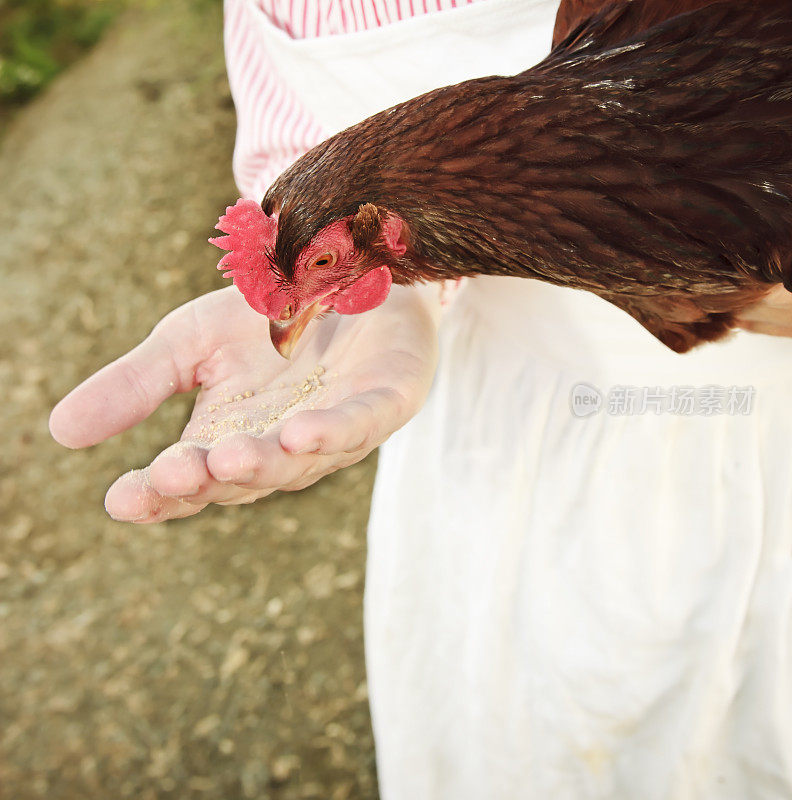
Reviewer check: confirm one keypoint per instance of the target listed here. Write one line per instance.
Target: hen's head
(345, 267)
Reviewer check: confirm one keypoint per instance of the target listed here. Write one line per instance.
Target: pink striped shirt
(273, 126)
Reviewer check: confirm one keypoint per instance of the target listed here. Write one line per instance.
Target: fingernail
(128, 519)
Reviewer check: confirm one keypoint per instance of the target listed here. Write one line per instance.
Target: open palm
(260, 423)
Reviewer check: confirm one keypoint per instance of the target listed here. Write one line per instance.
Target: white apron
(566, 600)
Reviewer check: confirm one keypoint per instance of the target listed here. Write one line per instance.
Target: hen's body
(654, 169)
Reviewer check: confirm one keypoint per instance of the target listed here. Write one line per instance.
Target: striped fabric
(273, 127)
(304, 19)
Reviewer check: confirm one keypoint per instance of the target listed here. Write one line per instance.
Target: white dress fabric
(580, 551)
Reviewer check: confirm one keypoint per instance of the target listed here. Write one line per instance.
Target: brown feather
(365, 226)
(577, 14)
(654, 170)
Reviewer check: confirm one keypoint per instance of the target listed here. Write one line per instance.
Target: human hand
(771, 315)
(260, 423)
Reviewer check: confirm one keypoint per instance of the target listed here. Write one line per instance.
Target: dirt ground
(215, 657)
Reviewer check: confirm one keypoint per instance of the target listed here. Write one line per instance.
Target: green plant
(38, 38)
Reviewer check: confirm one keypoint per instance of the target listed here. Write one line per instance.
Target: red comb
(251, 236)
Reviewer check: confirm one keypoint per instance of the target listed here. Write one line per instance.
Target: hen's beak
(286, 333)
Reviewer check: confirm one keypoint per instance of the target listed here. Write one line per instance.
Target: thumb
(127, 391)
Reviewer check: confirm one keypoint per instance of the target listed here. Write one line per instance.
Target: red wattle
(365, 293)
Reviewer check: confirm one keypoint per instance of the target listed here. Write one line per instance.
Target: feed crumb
(259, 418)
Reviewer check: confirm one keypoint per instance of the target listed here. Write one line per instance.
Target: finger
(180, 471)
(359, 423)
(173, 508)
(268, 468)
(132, 499)
(258, 463)
(127, 391)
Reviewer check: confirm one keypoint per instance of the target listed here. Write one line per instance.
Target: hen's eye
(324, 260)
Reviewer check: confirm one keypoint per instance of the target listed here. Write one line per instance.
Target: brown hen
(648, 159)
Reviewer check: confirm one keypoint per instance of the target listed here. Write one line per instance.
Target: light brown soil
(216, 657)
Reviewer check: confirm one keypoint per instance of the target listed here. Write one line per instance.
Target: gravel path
(216, 657)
